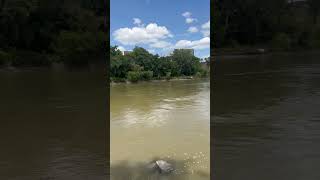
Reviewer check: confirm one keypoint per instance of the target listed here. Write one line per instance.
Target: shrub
(146, 75)
(281, 41)
(168, 75)
(78, 48)
(4, 58)
(29, 58)
(133, 76)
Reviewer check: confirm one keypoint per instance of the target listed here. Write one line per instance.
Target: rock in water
(152, 166)
(164, 166)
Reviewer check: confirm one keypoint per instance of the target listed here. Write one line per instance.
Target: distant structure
(126, 52)
(191, 51)
(205, 63)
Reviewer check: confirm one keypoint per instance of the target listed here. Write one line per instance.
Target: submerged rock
(164, 166)
(161, 166)
(152, 166)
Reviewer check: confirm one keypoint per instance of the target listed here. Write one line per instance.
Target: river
(53, 124)
(160, 120)
(266, 117)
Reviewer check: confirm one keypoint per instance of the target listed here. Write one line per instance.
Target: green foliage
(71, 31)
(140, 65)
(114, 51)
(168, 75)
(202, 73)
(135, 76)
(29, 58)
(4, 58)
(281, 24)
(120, 66)
(281, 41)
(146, 75)
(142, 57)
(187, 64)
(77, 48)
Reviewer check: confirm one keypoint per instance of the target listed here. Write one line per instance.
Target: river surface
(52, 124)
(266, 117)
(160, 120)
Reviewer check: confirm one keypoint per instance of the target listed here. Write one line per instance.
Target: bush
(281, 41)
(78, 48)
(168, 75)
(4, 58)
(29, 58)
(135, 76)
(146, 75)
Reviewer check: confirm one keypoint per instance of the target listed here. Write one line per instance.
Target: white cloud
(193, 29)
(121, 48)
(205, 56)
(151, 51)
(152, 33)
(188, 17)
(186, 14)
(206, 25)
(137, 21)
(190, 20)
(160, 44)
(206, 29)
(203, 43)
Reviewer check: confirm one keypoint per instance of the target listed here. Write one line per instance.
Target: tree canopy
(272, 23)
(71, 31)
(141, 65)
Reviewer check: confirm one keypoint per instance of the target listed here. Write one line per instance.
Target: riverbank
(252, 51)
(53, 66)
(159, 80)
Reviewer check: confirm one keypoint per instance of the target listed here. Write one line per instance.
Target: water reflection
(52, 125)
(265, 117)
(164, 120)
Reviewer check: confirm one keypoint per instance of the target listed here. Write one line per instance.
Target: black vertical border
(107, 77)
(211, 91)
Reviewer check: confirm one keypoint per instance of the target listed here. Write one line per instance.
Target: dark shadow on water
(124, 170)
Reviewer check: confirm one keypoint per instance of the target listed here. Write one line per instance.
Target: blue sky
(161, 25)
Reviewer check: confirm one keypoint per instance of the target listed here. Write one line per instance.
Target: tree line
(141, 65)
(40, 32)
(277, 24)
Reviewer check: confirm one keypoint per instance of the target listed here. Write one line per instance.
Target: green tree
(187, 63)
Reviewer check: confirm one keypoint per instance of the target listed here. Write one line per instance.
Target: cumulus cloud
(152, 33)
(137, 21)
(206, 25)
(203, 43)
(206, 29)
(190, 20)
(193, 29)
(151, 51)
(188, 17)
(186, 14)
(160, 44)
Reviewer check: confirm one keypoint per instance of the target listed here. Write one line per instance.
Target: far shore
(251, 51)
(161, 80)
(52, 66)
